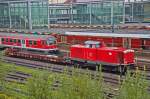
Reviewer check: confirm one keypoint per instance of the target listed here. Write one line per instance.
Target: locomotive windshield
(92, 44)
(51, 40)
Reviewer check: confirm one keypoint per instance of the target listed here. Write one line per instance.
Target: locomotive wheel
(75, 64)
(122, 70)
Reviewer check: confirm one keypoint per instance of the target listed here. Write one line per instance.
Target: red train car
(133, 40)
(27, 41)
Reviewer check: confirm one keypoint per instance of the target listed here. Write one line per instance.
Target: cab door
(23, 43)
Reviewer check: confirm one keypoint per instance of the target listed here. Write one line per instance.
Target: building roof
(108, 34)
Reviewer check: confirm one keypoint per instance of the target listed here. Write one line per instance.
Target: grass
(134, 86)
(48, 85)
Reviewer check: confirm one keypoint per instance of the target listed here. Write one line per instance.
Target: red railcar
(133, 40)
(27, 41)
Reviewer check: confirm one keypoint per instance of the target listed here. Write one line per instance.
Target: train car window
(14, 40)
(11, 40)
(23, 41)
(19, 41)
(6, 39)
(30, 42)
(3, 39)
(35, 43)
(43, 42)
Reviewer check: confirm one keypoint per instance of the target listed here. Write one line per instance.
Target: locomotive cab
(93, 44)
(51, 44)
(51, 41)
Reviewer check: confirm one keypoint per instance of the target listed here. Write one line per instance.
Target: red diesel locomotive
(90, 53)
(94, 52)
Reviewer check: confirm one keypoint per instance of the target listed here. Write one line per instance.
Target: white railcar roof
(29, 36)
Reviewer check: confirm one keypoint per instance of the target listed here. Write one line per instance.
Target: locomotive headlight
(110, 53)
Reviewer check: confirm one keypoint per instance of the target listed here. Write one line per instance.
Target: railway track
(20, 77)
(17, 76)
(108, 77)
(142, 65)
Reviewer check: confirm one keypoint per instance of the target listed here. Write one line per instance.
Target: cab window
(50, 41)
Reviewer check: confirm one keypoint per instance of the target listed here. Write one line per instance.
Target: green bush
(65, 86)
(134, 86)
(78, 84)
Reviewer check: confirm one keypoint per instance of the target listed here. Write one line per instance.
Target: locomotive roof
(29, 36)
(127, 35)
